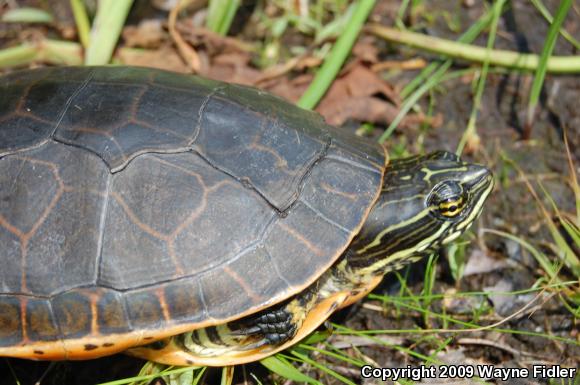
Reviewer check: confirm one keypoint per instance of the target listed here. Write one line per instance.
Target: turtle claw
(272, 328)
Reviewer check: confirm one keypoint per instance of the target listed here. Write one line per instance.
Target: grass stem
(503, 58)
(107, 26)
(340, 51)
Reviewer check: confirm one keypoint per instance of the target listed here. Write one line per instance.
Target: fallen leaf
(363, 109)
(147, 34)
(366, 50)
(232, 67)
(163, 58)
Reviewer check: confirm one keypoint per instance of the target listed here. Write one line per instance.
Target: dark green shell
(136, 199)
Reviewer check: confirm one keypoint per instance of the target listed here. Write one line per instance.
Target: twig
(186, 51)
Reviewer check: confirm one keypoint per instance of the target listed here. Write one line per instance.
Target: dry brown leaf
(358, 81)
(148, 34)
(364, 109)
(366, 50)
(211, 41)
(232, 67)
(290, 90)
(164, 58)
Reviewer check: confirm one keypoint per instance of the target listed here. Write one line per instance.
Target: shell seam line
(354, 164)
(102, 223)
(244, 183)
(202, 298)
(277, 269)
(251, 246)
(201, 111)
(57, 324)
(323, 154)
(324, 217)
(66, 107)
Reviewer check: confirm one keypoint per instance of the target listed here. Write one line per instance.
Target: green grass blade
(27, 15)
(81, 20)
(229, 17)
(567, 254)
(401, 14)
(430, 79)
(546, 14)
(21, 55)
(540, 257)
(414, 98)
(470, 327)
(227, 375)
(220, 15)
(107, 26)
(470, 132)
(46, 51)
(340, 51)
(571, 230)
(429, 283)
(543, 62)
(323, 368)
(169, 371)
(467, 37)
(418, 80)
(283, 368)
(338, 355)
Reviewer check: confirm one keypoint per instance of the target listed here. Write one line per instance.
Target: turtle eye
(447, 199)
(451, 207)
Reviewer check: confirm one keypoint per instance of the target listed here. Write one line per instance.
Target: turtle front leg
(269, 328)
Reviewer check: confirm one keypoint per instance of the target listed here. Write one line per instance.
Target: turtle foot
(271, 328)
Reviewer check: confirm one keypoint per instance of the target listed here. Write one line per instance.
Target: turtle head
(426, 202)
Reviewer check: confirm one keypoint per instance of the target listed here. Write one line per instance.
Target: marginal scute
(72, 311)
(184, 301)
(144, 310)
(338, 192)
(111, 315)
(252, 276)
(10, 326)
(218, 290)
(299, 234)
(40, 321)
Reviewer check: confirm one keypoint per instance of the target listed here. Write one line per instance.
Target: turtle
(190, 221)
